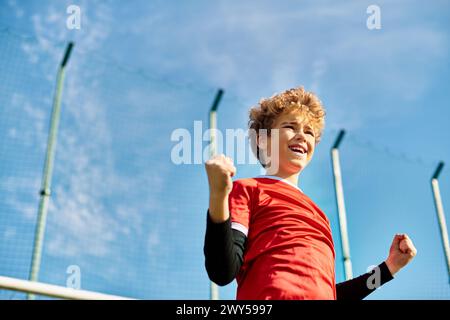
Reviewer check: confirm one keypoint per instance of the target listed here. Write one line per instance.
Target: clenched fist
(402, 251)
(219, 169)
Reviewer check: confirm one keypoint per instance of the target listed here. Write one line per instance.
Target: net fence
(129, 220)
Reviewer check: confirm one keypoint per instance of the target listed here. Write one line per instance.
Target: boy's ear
(261, 141)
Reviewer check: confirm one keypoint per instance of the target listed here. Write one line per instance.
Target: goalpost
(49, 290)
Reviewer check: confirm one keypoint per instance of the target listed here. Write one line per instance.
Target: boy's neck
(292, 178)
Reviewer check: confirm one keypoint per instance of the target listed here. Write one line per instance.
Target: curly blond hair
(267, 111)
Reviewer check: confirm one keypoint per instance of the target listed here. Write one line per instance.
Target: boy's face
(296, 142)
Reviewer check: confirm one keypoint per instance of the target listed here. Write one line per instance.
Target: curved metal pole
(440, 214)
(339, 191)
(213, 288)
(48, 170)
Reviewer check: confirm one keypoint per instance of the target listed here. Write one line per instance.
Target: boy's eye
(290, 127)
(310, 133)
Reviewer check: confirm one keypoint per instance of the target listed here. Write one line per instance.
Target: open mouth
(298, 150)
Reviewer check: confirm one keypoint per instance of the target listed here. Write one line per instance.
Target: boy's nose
(299, 136)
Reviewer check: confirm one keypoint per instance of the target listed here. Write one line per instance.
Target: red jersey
(289, 252)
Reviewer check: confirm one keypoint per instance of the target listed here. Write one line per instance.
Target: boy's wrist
(218, 207)
(392, 267)
(218, 195)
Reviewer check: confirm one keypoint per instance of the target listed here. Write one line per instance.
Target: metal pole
(440, 214)
(213, 288)
(47, 174)
(341, 206)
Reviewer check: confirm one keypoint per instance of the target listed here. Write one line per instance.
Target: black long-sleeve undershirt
(224, 253)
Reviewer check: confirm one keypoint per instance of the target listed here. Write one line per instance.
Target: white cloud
(255, 50)
(319, 69)
(154, 241)
(12, 133)
(9, 233)
(18, 188)
(30, 130)
(17, 11)
(79, 223)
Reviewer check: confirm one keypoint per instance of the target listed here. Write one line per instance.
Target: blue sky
(131, 219)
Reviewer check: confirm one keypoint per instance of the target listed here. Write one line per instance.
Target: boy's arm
(224, 251)
(224, 247)
(360, 287)
(219, 170)
(402, 251)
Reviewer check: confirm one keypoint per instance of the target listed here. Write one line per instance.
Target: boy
(265, 231)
